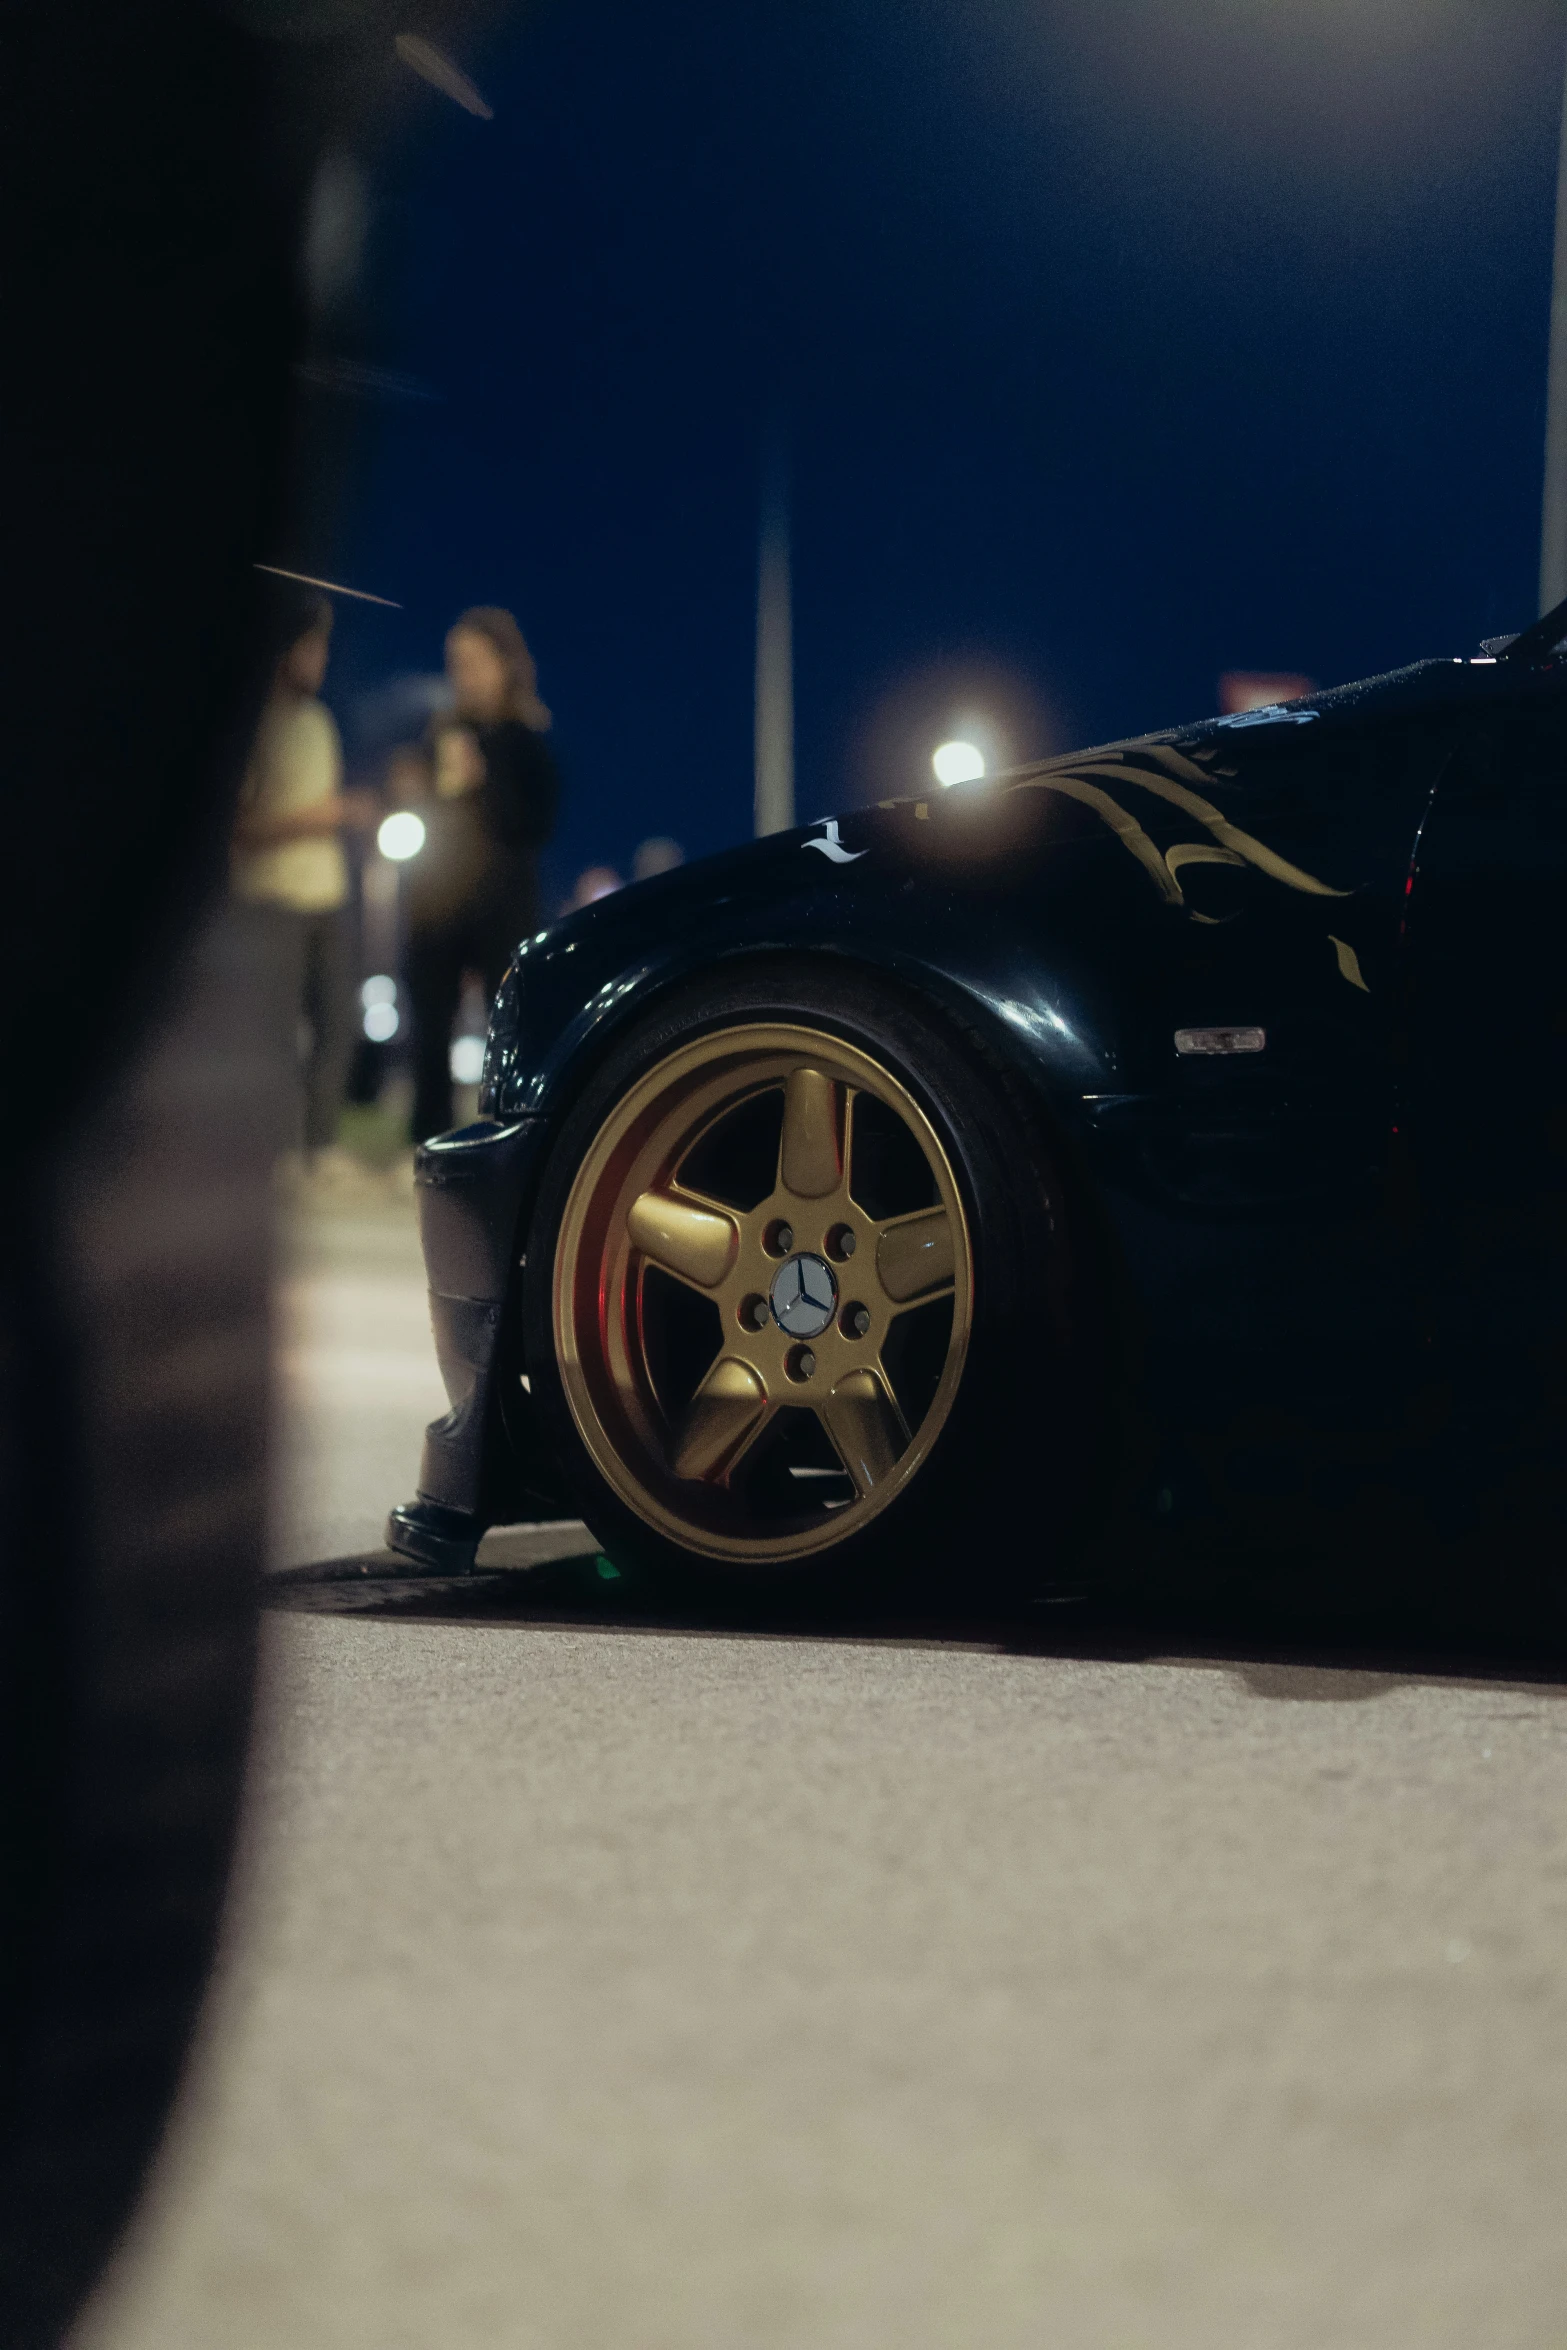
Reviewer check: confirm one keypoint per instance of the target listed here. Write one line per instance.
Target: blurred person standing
(289, 870)
(658, 855)
(487, 789)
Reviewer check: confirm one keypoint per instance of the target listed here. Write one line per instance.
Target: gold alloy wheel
(763, 1291)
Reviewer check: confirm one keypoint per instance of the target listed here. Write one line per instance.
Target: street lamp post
(1553, 515)
(774, 647)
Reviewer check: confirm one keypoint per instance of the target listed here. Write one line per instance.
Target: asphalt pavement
(603, 1979)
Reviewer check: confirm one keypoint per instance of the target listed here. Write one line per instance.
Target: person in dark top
(486, 787)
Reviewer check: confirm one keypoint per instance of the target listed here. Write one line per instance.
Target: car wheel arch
(1037, 1092)
(964, 1000)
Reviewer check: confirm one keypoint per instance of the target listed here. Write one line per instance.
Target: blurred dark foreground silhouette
(159, 168)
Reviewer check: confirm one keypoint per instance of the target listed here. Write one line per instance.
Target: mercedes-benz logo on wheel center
(804, 1296)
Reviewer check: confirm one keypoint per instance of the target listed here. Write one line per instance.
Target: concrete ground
(599, 1981)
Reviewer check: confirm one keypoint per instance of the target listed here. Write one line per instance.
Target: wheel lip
(754, 1043)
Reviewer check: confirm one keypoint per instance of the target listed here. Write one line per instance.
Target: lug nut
(856, 1322)
(843, 1241)
(754, 1314)
(783, 1238)
(801, 1363)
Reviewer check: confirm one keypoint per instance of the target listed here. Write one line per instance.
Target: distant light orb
(467, 1060)
(381, 1022)
(401, 835)
(958, 762)
(378, 989)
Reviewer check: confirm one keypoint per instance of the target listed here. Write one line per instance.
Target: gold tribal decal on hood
(1084, 780)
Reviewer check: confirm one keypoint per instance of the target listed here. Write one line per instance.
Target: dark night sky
(1119, 344)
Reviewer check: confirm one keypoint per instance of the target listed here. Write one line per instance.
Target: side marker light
(1221, 1040)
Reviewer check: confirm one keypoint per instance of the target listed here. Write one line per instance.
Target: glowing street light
(958, 762)
(401, 835)
(379, 998)
(467, 1060)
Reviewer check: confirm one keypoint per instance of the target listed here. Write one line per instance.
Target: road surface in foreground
(602, 1982)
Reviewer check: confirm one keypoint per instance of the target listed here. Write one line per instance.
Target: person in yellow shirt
(288, 866)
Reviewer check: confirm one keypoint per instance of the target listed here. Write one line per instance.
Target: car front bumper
(473, 1187)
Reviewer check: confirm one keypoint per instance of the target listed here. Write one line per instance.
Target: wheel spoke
(914, 1255)
(695, 1242)
(866, 1427)
(808, 1157)
(719, 1422)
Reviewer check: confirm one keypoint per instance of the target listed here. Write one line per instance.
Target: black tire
(159, 163)
(1014, 1479)
(134, 1512)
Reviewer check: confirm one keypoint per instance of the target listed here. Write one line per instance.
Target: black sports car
(1167, 1142)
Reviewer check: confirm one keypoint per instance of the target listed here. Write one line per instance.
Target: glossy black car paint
(1339, 1261)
